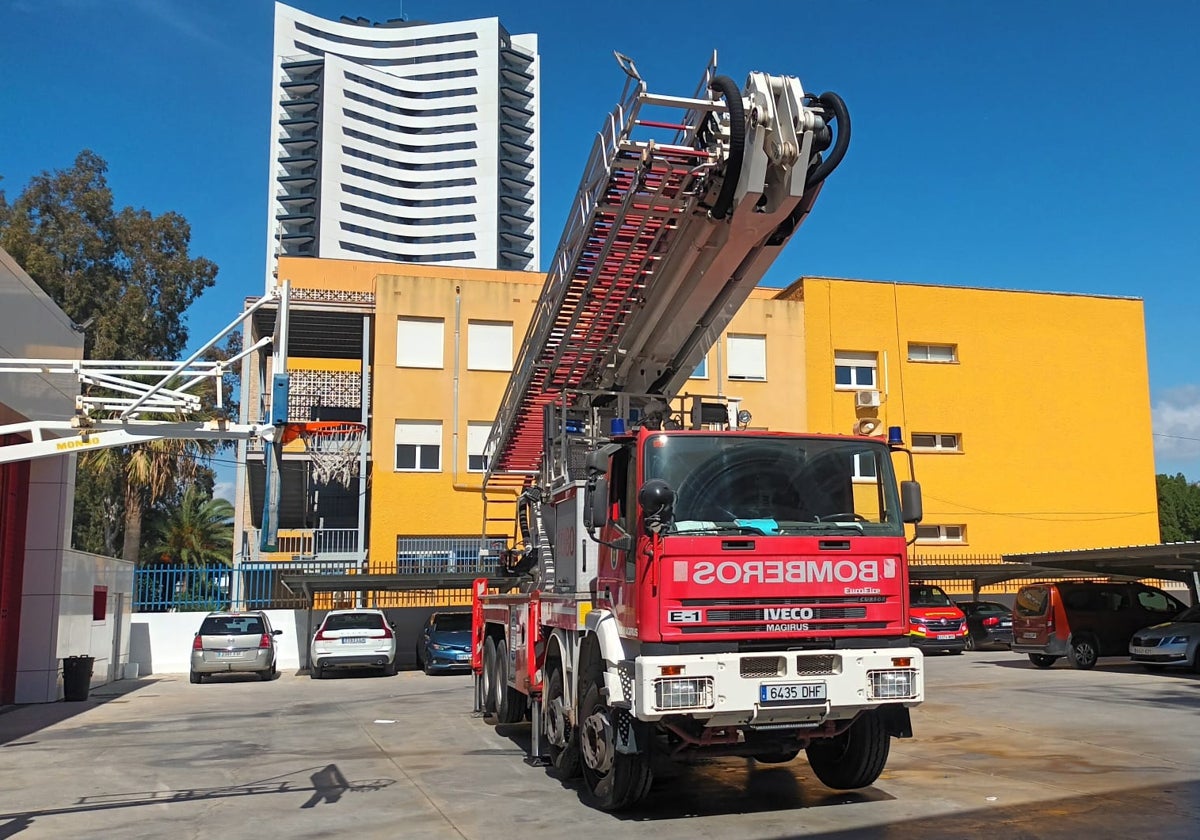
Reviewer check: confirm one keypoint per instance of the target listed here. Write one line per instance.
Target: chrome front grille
(763, 666)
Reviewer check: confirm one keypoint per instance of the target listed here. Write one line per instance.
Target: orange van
(1084, 620)
(934, 621)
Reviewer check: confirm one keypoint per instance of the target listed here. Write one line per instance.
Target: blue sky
(1049, 146)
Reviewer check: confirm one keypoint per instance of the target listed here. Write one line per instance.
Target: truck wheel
(1084, 652)
(564, 755)
(488, 676)
(1041, 660)
(510, 703)
(855, 758)
(613, 781)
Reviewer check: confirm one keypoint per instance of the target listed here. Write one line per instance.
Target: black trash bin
(77, 677)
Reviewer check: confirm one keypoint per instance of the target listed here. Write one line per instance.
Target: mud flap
(630, 734)
(895, 720)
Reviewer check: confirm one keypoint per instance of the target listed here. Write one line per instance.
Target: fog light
(893, 685)
(687, 693)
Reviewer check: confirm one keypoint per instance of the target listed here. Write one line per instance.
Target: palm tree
(198, 533)
(151, 472)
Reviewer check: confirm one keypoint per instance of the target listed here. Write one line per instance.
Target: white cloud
(1176, 416)
(224, 490)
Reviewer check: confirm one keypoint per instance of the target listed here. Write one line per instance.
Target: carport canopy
(310, 584)
(1165, 561)
(988, 574)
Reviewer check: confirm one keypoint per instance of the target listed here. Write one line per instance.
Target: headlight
(915, 620)
(1177, 640)
(436, 646)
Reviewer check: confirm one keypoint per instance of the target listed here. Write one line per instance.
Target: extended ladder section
(684, 204)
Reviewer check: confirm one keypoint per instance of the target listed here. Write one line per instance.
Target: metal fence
(252, 586)
(448, 555)
(309, 541)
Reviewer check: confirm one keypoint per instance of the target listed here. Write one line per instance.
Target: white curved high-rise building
(404, 142)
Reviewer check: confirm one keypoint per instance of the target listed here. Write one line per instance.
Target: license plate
(947, 636)
(228, 654)
(353, 640)
(1029, 635)
(462, 656)
(791, 693)
(1142, 651)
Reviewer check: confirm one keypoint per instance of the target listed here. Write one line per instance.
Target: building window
(941, 534)
(477, 436)
(701, 371)
(864, 467)
(932, 352)
(937, 441)
(418, 446)
(419, 342)
(747, 357)
(489, 345)
(853, 369)
(99, 602)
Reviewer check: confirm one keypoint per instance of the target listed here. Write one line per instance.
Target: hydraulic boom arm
(675, 221)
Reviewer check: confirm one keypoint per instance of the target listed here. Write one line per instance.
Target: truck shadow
(715, 786)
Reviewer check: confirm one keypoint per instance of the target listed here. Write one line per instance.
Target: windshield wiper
(721, 529)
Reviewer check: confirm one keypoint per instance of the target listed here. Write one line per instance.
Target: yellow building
(998, 393)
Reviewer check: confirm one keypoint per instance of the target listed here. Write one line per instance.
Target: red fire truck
(683, 585)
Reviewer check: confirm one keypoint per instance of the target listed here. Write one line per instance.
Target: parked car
(989, 624)
(1174, 642)
(234, 642)
(353, 639)
(445, 642)
(1084, 620)
(934, 621)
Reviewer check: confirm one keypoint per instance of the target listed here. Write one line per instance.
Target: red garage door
(14, 505)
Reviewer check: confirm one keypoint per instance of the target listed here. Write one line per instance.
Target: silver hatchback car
(234, 642)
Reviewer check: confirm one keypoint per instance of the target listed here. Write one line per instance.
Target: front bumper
(934, 643)
(727, 689)
(447, 660)
(227, 661)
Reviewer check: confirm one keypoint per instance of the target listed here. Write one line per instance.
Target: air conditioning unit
(866, 399)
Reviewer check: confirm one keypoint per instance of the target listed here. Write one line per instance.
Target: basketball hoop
(332, 446)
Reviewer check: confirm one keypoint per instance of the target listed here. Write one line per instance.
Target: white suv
(353, 639)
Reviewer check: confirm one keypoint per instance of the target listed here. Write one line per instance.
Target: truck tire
(1042, 660)
(564, 759)
(613, 781)
(855, 758)
(510, 703)
(488, 676)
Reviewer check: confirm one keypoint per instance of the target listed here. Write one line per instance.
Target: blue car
(445, 642)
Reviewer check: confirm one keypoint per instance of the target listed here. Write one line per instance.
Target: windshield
(1190, 614)
(768, 485)
(452, 622)
(928, 596)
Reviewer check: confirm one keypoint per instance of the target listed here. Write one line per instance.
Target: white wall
(161, 643)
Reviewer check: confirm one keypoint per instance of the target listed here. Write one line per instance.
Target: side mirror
(595, 511)
(911, 509)
(277, 633)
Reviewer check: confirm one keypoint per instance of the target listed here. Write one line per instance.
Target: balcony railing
(305, 543)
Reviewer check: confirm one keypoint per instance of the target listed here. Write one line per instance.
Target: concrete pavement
(1001, 748)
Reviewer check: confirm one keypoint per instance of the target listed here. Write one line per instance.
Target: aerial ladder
(684, 204)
